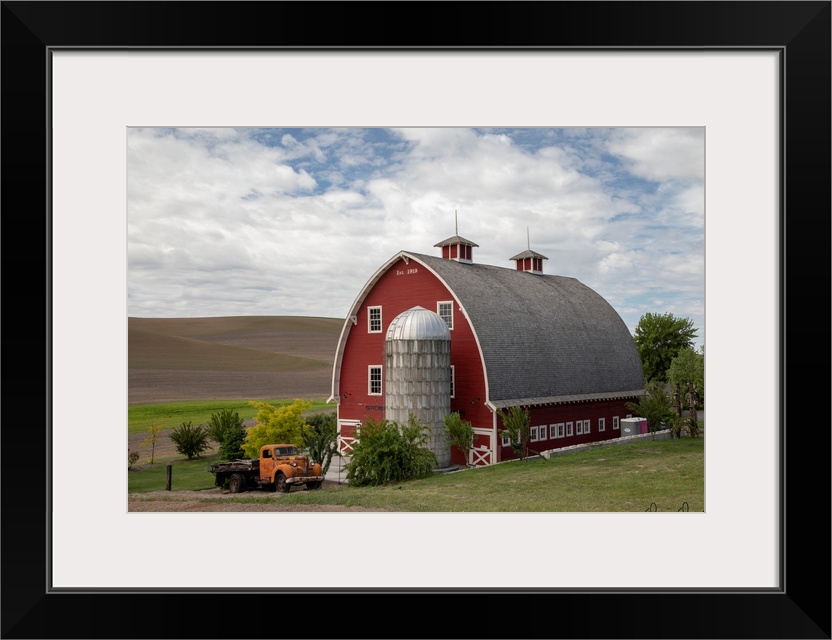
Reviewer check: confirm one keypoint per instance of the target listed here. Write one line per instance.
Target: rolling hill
(240, 357)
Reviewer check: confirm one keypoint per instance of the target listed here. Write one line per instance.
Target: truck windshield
(287, 451)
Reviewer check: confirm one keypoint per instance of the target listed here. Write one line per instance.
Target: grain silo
(418, 375)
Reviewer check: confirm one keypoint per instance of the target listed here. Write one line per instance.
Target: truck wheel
(236, 483)
(280, 484)
(313, 485)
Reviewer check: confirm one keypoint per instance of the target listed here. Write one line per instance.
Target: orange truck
(279, 468)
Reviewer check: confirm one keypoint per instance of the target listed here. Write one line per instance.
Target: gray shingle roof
(544, 338)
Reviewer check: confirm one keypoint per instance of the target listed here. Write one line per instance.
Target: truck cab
(282, 465)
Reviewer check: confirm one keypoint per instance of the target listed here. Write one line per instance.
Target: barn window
(533, 434)
(568, 429)
(541, 432)
(602, 424)
(579, 427)
(453, 382)
(586, 426)
(506, 442)
(374, 319)
(615, 423)
(446, 312)
(375, 381)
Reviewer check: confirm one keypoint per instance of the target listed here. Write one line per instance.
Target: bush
(276, 425)
(232, 443)
(320, 438)
(190, 440)
(227, 429)
(132, 458)
(460, 433)
(389, 452)
(654, 405)
(680, 426)
(517, 427)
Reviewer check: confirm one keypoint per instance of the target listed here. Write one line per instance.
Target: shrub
(232, 443)
(460, 433)
(132, 458)
(654, 405)
(680, 426)
(227, 429)
(517, 427)
(320, 438)
(190, 440)
(276, 425)
(389, 452)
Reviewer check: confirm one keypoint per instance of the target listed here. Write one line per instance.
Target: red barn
(517, 337)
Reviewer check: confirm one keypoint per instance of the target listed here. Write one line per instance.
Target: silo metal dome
(418, 323)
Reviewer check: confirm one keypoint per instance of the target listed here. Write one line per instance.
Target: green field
(171, 415)
(611, 478)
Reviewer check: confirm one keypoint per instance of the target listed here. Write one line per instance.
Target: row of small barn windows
(445, 310)
(565, 430)
(374, 380)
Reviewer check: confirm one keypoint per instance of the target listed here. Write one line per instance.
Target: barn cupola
(529, 260)
(456, 247)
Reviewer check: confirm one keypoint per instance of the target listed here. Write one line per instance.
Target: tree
(190, 440)
(152, 439)
(276, 425)
(659, 338)
(655, 405)
(228, 430)
(687, 368)
(320, 438)
(390, 452)
(460, 433)
(517, 427)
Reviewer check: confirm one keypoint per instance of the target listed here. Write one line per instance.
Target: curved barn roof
(544, 338)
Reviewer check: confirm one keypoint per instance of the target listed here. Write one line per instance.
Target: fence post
(168, 473)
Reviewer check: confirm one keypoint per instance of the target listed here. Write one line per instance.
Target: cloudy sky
(228, 222)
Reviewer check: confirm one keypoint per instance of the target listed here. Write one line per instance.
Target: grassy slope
(630, 477)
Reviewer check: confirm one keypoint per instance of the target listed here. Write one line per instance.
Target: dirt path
(220, 500)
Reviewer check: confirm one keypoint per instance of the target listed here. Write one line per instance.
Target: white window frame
(602, 424)
(449, 319)
(370, 319)
(542, 432)
(453, 382)
(569, 430)
(532, 434)
(505, 441)
(615, 423)
(579, 427)
(560, 430)
(587, 429)
(370, 369)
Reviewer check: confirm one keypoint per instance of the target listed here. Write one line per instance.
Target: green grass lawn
(627, 477)
(172, 414)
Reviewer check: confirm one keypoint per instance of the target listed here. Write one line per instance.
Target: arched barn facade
(517, 337)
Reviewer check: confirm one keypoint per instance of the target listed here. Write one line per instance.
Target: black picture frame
(799, 31)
